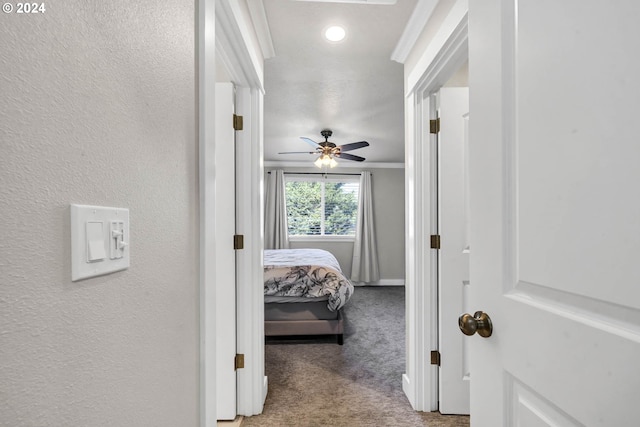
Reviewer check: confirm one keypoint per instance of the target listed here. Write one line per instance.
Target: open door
(453, 270)
(225, 254)
(555, 224)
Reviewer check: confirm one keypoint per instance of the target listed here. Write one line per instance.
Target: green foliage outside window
(305, 200)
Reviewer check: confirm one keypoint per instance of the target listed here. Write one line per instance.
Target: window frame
(292, 177)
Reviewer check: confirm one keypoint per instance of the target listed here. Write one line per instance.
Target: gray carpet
(318, 383)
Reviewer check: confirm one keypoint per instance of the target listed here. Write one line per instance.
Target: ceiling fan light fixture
(335, 33)
(327, 150)
(325, 160)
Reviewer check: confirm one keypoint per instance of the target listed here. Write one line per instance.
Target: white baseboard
(381, 282)
(408, 390)
(265, 389)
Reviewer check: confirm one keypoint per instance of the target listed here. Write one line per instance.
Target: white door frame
(237, 51)
(225, 213)
(223, 32)
(453, 262)
(251, 381)
(447, 52)
(206, 182)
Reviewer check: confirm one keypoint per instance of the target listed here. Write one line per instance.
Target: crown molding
(446, 53)
(414, 28)
(235, 48)
(261, 25)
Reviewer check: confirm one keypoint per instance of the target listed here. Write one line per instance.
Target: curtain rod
(317, 173)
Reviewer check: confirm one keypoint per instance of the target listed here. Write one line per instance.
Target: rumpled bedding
(307, 273)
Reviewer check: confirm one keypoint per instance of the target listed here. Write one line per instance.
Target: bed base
(274, 328)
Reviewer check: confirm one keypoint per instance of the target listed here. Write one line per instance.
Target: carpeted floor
(321, 384)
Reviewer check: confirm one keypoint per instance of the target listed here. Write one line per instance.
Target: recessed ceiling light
(335, 33)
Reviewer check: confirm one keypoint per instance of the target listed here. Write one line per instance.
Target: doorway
(420, 380)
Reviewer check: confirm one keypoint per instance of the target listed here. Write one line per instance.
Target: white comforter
(307, 273)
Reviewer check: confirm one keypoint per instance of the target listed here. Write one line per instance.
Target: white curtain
(275, 215)
(365, 253)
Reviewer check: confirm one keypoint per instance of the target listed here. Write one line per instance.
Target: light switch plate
(83, 218)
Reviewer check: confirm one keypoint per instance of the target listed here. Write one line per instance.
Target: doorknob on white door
(480, 322)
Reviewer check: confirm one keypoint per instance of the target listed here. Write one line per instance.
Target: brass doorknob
(480, 322)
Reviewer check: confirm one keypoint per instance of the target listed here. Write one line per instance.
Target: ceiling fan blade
(350, 157)
(354, 145)
(299, 152)
(310, 141)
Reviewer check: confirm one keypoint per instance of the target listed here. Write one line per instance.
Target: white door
(453, 106)
(225, 254)
(555, 211)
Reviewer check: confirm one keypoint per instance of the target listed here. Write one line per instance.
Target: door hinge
(237, 122)
(239, 362)
(238, 241)
(435, 241)
(435, 357)
(434, 125)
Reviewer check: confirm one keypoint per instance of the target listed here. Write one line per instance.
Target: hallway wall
(98, 107)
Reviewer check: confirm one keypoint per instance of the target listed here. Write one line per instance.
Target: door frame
(446, 53)
(206, 57)
(450, 158)
(223, 34)
(237, 51)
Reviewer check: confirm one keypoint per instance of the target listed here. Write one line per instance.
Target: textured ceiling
(351, 87)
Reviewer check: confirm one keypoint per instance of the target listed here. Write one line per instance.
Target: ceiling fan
(327, 151)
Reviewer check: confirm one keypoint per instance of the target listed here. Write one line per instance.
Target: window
(321, 206)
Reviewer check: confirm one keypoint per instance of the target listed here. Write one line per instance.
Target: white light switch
(95, 241)
(99, 240)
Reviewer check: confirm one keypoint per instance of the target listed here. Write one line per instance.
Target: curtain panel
(276, 234)
(365, 252)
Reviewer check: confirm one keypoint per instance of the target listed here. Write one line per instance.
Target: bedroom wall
(98, 106)
(388, 205)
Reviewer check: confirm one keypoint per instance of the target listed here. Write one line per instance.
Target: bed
(304, 292)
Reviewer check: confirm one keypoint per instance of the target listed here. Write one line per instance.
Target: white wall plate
(105, 247)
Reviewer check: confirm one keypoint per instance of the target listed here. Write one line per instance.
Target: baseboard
(265, 388)
(408, 390)
(381, 282)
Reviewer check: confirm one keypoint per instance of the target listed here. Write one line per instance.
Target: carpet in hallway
(318, 383)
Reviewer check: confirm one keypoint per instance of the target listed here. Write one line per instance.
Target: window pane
(303, 200)
(341, 208)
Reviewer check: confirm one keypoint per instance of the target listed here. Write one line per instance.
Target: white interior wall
(388, 205)
(99, 107)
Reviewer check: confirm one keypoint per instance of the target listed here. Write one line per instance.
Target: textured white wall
(98, 106)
